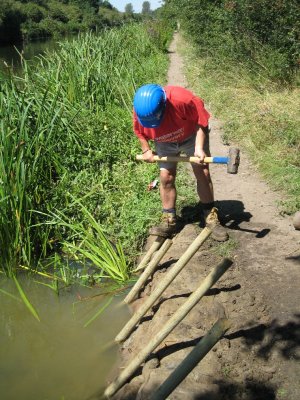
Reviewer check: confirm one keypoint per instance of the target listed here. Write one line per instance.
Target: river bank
(65, 140)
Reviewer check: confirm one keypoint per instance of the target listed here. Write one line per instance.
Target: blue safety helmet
(149, 104)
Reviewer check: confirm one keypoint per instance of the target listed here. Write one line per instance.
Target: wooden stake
(210, 280)
(153, 248)
(148, 271)
(166, 281)
(192, 360)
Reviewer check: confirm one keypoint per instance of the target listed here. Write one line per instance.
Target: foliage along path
(259, 356)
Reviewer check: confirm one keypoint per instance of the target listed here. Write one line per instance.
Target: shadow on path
(286, 338)
(227, 390)
(231, 213)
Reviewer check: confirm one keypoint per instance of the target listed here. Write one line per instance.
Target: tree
(11, 19)
(146, 8)
(105, 4)
(91, 5)
(129, 8)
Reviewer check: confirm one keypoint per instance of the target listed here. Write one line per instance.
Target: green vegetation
(264, 34)
(25, 299)
(264, 119)
(69, 179)
(226, 249)
(244, 61)
(282, 393)
(30, 19)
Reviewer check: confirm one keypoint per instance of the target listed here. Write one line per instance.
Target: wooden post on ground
(153, 248)
(193, 299)
(148, 271)
(166, 281)
(192, 359)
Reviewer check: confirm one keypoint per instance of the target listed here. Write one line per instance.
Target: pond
(69, 354)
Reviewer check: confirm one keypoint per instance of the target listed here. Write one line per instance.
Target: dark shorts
(175, 149)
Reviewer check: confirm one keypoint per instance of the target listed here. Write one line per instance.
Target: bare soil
(258, 358)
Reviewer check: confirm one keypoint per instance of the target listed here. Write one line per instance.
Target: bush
(19, 19)
(34, 30)
(263, 33)
(160, 32)
(11, 19)
(58, 11)
(109, 17)
(33, 12)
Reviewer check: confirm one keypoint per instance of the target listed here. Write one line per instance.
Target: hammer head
(233, 160)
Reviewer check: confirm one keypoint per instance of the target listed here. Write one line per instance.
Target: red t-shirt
(183, 115)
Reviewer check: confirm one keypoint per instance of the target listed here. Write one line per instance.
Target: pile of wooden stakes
(158, 250)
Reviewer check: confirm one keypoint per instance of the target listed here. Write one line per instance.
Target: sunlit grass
(89, 244)
(256, 114)
(25, 299)
(65, 133)
(99, 312)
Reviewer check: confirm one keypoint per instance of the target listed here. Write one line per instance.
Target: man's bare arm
(146, 150)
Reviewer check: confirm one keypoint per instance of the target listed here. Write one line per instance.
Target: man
(176, 120)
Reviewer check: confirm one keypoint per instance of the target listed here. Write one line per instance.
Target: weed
(227, 248)
(226, 370)
(25, 300)
(281, 393)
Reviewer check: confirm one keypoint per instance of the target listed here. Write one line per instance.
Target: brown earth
(258, 358)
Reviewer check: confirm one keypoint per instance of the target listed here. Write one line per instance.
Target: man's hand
(146, 150)
(148, 156)
(201, 154)
(200, 142)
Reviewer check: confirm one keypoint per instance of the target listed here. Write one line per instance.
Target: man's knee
(167, 178)
(205, 171)
(201, 171)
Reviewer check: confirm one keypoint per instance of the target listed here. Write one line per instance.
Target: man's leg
(201, 171)
(167, 188)
(204, 183)
(206, 195)
(205, 189)
(167, 227)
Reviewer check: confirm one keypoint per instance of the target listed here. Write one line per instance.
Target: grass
(226, 371)
(226, 249)
(65, 134)
(282, 393)
(90, 245)
(186, 186)
(25, 300)
(257, 114)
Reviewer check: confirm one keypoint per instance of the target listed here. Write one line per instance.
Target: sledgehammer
(232, 161)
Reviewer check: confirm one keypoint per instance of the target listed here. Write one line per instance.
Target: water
(10, 54)
(57, 358)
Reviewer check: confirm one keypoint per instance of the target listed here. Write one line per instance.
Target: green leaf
(25, 299)
(9, 294)
(98, 312)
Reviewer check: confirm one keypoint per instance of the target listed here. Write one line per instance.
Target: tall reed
(66, 133)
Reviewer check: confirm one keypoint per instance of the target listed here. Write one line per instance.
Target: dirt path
(258, 359)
